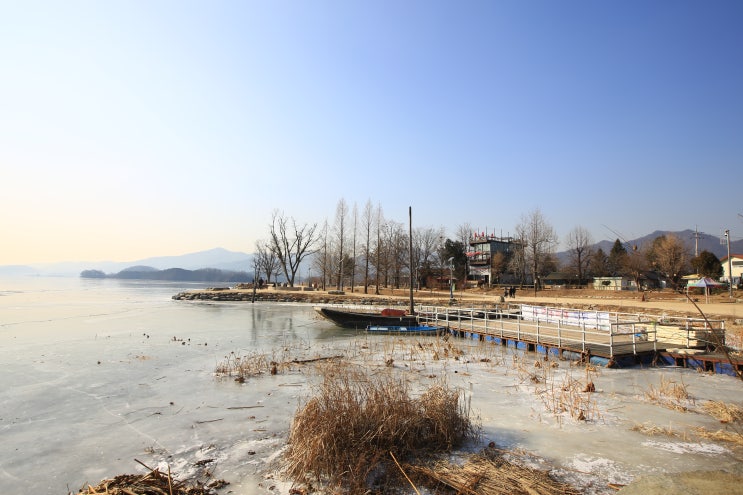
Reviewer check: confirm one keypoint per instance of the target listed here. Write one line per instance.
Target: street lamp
(730, 266)
(451, 279)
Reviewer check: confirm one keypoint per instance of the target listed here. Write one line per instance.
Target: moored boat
(360, 320)
(403, 330)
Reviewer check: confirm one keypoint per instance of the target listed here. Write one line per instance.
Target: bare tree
(341, 214)
(355, 216)
(425, 245)
(322, 261)
(291, 243)
(464, 234)
(498, 265)
(635, 264)
(517, 263)
(368, 218)
(579, 243)
(540, 238)
(670, 256)
(378, 247)
(266, 260)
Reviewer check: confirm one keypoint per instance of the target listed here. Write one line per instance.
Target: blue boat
(405, 330)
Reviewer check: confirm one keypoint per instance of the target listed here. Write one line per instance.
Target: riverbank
(670, 303)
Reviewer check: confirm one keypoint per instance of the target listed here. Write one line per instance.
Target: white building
(611, 283)
(736, 264)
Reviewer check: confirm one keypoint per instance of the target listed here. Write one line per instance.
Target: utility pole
(696, 237)
(730, 265)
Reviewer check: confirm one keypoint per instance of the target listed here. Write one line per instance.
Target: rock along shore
(288, 296)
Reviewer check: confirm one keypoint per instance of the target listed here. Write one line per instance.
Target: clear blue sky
(145, 128)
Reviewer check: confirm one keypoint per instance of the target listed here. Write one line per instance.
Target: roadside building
(612, 283)
(560, 280)
(480, 252)
(736, 264)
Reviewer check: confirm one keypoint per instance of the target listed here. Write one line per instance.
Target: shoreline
(718, 308)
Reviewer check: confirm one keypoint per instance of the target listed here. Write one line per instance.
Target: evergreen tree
(707, 265)
(599, 264)
(616, 260)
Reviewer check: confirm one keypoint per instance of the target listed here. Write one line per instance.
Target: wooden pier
(611, 339)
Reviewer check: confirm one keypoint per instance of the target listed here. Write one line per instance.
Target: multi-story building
(480, 252)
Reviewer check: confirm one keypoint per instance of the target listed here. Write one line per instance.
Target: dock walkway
(609, 338)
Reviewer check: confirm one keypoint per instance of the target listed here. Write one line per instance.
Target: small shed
(611, 283)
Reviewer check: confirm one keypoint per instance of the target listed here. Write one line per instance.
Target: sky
(151, 128)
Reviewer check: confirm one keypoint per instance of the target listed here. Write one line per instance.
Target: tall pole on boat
(410, 254)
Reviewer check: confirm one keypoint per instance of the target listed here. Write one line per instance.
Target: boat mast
(410, 253)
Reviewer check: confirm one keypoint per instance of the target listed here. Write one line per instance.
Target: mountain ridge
(219, 258)
(224, 259)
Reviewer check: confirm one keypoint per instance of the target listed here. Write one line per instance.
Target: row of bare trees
(366, 248)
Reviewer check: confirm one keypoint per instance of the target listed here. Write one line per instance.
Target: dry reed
(561, 394)
(724, 412)
(731, 416)
(344, 434)
(654, 430)
(153, 483)
(670, 394)
(487, 474)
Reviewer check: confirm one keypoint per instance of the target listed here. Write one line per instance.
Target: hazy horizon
(138, 129)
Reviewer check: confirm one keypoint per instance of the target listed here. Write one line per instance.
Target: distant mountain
(173, 274)
(708, 242)
(213, 258)
(219, 258)
(139, 268)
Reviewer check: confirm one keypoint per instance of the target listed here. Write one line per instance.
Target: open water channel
(97, 373)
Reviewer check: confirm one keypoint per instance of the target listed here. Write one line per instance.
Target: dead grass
(731, 416)
(560, 392)
(154, 483)
(724, 412)
(670, 394)
(255, 364)
(487, 474)
(344, 435)
(652, 430)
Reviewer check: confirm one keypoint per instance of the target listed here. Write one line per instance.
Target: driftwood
(314, 360)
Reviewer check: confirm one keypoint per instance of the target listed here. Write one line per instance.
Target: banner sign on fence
(599, 320)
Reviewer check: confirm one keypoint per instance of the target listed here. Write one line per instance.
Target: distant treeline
(174, 274)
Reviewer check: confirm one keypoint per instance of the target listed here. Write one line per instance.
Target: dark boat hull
(360, 320)
(402, 330)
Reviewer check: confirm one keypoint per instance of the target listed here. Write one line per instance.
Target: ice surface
(97, 373)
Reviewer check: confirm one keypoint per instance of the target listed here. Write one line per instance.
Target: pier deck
(610, 338)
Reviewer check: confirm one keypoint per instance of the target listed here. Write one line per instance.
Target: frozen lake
(97, 373)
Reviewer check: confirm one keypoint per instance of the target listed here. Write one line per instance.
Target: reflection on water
(97, 373)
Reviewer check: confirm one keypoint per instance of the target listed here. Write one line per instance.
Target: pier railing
(507, 323)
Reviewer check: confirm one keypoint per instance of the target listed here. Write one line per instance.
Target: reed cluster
(348, 432)
(670, 394)
(731, 416)
(488, 473)
(560, 392)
